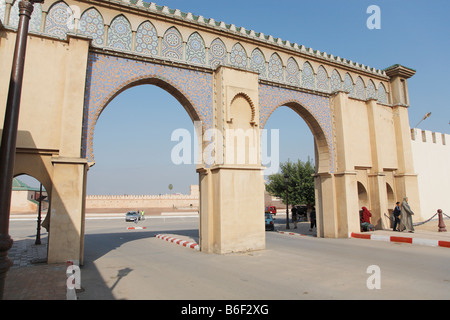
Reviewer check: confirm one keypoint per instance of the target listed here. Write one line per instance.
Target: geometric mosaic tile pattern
(195, 49)
(147, 39)
(172, 44)
(108, 75)
(119, 33)
(271, 97)
(238, 56)
(382, 96)
(336, 81)
(348, 84)
(169, 44)
(258, 62)
(360, 91)
(292, 72)
(371, 91)
(308, 76)
(36, 16)
(275, 68)
(91, 24)
(2, 11)
(323, 83)
(59, 20)
(217, 53)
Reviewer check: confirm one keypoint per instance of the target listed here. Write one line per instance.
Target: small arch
(119, 33)
(363, 197)
(308, 76)
(195, 49)
(292, 72)
(371, 90)
(382, 95)
(275, 67)
(323, 82)
(336, 81)
(172, 44)
(360, 89)
(348, 84)
(250, 102)
(217, 53)
(238, 56)
(91, 24)
(60, 20)
(258, 62)
(146, 39)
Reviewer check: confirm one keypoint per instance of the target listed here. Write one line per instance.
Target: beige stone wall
(136, 202)
(431, 154)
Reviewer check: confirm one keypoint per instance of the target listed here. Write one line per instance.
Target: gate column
(232, 180)
(405, 178)
(66, 234)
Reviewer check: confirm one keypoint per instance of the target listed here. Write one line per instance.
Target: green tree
(300, 183)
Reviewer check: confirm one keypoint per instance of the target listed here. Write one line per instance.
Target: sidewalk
(31, 278)
(426, 234)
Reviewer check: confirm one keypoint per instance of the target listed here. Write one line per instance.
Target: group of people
(296, 214)
(402, 218)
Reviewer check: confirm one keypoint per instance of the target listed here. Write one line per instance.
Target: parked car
(132, 216)
(271, 209)
(269, 222)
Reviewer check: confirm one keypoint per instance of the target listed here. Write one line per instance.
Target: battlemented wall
(431, 154)
(137, 202)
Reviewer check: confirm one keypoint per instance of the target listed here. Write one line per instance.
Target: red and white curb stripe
(426, 242)
(183, 243)
(136, 228)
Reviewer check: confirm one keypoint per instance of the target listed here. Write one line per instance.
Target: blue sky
(132, 142)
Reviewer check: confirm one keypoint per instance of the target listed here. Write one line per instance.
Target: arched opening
(288, 138)
(363, 198)
(28, 226)
(144, 153)
(391, 203)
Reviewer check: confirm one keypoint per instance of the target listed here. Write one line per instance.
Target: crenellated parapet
(147, 30)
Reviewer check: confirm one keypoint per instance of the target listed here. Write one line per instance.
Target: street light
(286, 181)
(426, 116)
(9, 136)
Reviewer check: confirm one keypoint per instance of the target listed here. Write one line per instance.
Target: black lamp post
(9, 136)
(286, 181)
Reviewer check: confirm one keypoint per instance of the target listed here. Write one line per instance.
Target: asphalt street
(134, 264)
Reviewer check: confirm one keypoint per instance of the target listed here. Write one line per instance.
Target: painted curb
(136, 228)
(420, 241)
(180, 242)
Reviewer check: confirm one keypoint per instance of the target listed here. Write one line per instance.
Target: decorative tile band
(107, 76)
(272, 97)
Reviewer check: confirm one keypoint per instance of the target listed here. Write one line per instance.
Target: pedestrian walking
(294, 216)
(396, 214)
(312, 218)
(406, 214)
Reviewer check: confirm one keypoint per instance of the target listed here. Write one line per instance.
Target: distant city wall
(136, 202)
(431, 155)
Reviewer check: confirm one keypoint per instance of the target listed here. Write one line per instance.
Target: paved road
(133, 264)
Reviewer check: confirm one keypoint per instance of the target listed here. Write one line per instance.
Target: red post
(441, 224)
